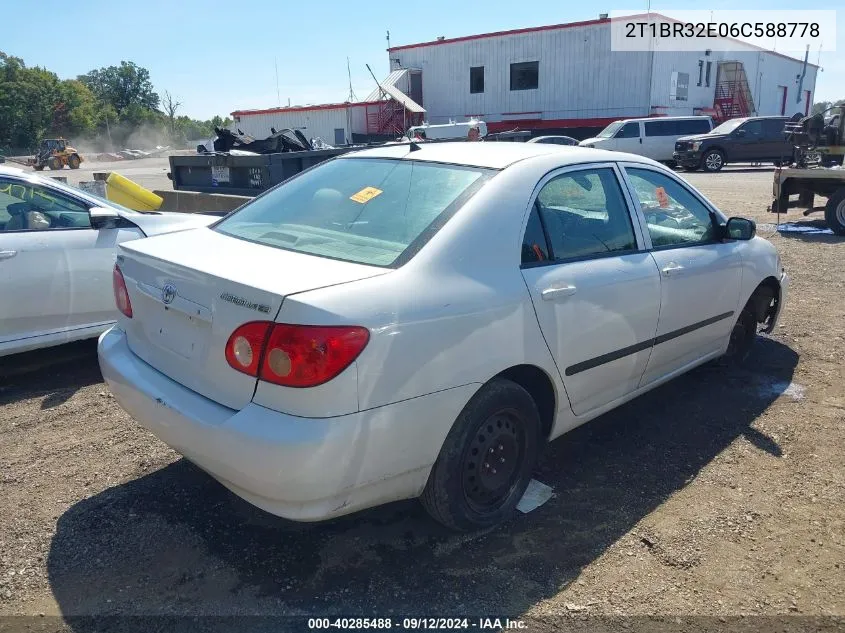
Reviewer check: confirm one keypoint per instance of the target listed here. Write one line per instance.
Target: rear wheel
(713, 160)
(74, 161)
(487, 460)
(54, 163)
(834, 212)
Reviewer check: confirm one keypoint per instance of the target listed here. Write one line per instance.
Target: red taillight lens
(245, 345)
(294, 355)
(121, 294)
(309, 355)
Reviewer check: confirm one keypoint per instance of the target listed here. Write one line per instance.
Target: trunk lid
(191, 290)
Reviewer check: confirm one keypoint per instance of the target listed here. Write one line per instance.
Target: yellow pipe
(132, 195)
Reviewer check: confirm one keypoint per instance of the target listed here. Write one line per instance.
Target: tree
(170, 106)
(27, 99)
(122, 86)
(75, 111)
(821, 106)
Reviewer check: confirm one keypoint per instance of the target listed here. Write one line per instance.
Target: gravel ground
(720, 494)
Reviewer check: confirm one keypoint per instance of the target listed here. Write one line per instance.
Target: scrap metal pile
(284, 140)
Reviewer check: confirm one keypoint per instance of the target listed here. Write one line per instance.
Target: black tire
(743, 335)
(713, 160)
(465, 490)
(780, 204)
(54, 164)
(74, 161)
(834, 212)
(38, 167)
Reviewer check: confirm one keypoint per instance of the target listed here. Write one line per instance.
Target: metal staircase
(733, 94)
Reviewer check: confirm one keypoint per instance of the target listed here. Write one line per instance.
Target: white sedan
(57, 251)
(418, 320)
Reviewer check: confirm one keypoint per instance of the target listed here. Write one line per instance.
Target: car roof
(668, 118)
(491, 155)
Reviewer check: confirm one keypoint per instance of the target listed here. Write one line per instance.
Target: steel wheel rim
(713, 161)
(840, 213)
(492, 462)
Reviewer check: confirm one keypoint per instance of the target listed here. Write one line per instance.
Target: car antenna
(414, 147)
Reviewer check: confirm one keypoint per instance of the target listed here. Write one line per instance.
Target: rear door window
(693, 126)
(585, 215)
(368, 211)
(773, 128)
(661, 128)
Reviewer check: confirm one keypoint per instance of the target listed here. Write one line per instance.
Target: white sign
(219, 174)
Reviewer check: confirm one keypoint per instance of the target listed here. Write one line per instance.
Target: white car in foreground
(418, 320)
(57, 252)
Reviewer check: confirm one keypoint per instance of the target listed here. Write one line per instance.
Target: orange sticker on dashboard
(662, 198)
(365, 195)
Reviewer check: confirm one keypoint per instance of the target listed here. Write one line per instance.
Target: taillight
(121, 294)
(244, 347)
(294, 355)
(309, 355)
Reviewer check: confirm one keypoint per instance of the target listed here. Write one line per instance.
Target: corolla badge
(168, 293)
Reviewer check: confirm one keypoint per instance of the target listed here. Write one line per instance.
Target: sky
(215, 57)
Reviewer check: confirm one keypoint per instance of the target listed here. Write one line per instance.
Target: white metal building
(566, 76)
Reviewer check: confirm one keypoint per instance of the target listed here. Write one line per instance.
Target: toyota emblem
(168, 293)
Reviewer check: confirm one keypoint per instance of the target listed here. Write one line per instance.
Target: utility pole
(351, 98)
(278, 97)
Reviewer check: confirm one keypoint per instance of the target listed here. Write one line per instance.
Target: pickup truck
(745, 140)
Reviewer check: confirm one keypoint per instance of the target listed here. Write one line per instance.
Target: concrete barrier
(191, 202)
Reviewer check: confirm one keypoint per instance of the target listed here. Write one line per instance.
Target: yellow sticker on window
(662, 198)
(365, 195)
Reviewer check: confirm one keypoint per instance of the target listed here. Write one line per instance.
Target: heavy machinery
(819, 143)
(55, 153)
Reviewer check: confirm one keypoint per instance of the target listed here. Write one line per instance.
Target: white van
(653, 137)
(459, 130)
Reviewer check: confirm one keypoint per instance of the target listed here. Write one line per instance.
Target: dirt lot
(719, 494)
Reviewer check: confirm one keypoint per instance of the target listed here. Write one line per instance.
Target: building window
(707, 75)
(700, 71)
(476, 79)
(679, 86)
(525, 76)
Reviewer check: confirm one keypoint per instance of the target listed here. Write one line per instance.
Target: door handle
(553, 292)
(671, 269)
(7, 254)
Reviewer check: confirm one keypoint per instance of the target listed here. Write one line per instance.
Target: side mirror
(103, 217)
(740, 229)
(739, 133)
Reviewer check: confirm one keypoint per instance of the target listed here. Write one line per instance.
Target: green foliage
(821, 106)
(122, 86)
(107, 108)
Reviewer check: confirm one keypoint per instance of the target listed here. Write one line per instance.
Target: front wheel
(74, 161)
(487, 460)
(713, 161)
(54, 164)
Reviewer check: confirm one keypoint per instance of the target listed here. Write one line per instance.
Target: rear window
(367, 211)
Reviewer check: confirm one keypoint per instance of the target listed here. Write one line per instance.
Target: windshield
(368, 211)
(728, 126)
(610, 130)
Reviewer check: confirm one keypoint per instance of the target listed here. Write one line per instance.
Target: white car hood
(590, 141)
(167, 222)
